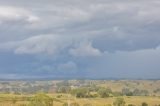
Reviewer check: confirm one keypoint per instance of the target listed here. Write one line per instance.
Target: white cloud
(42, 44)
(11, 14)
(84, 50)
(52, 45)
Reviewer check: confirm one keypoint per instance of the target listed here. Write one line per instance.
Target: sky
(80, 39)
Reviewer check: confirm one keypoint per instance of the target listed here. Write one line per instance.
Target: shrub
(127, 92)
(119, 102)
(144, 104)
(103, 92)
(41, 99)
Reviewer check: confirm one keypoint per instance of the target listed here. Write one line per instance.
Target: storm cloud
(51, 37)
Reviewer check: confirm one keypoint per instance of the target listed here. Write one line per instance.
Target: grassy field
(118, 85)
(18, 100)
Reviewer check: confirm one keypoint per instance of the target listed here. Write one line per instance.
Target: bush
(14, 100)
(127, 92)
(41, 99)
(59, 96)
(116, 94)
(144, 104)
(80, 92)
(138, 92)
(103, 92)
(119, 102)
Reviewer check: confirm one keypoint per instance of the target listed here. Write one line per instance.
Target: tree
(41, 99)
(138, 92)
(80, 92)
(63, 89)
(127, 92)
(117, 94)
(119, 102)
(103, 92)
(144, 104)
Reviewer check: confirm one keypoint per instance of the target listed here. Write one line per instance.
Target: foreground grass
(18, 100)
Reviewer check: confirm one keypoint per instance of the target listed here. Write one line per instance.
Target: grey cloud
(52, 45)
(45, 44)
(69, 66)
(111, 26)
(64, 31)
(16, 23)
(137, 64)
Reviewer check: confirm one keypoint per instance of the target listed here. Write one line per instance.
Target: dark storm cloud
(69, 33)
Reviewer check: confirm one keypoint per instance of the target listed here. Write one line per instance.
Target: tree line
(93, 91)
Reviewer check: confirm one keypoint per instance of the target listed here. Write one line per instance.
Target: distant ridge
(72, 78)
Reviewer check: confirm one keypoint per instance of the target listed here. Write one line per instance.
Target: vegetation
(104, 92)
(84, 93)
(41, 99)
(131, 105)
(119, 102)
(144, 104)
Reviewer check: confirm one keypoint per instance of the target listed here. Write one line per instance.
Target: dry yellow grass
(118, 85)
(7, 100)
